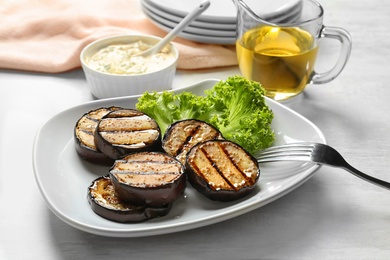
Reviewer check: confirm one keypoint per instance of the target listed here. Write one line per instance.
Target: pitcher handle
(346, 46)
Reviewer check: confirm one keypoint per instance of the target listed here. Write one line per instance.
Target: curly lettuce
(236, 107)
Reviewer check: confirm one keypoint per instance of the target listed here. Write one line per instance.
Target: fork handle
(366, 177)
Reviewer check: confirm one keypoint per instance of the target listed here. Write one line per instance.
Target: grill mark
(96, 120)
(86, 131)
(118, 171)
(129, 142)
(144, 173)
(247, 179)
(91, 115)
(197, 170)
(121, 113)
(188, 139)
(129, 131)
(93, 119)
(137, 119)
(119, 117)
(214, 165)
(124, 117)
(122, 172)
(81, 123)
(147, 161)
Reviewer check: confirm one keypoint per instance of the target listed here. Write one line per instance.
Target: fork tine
(302, 158)
(291, 152)
(289, 147)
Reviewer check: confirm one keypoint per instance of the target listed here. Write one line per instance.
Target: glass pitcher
(278, 41)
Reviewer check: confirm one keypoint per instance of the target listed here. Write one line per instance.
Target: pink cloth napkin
(48, 35)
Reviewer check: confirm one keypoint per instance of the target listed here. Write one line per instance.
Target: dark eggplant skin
(92, 155)
(184, 134)
(223, 193)
(117, 151)
(89, 152)
(124, 213)
(165, 192)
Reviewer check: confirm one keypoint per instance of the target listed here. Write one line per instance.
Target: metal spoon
(175, 31)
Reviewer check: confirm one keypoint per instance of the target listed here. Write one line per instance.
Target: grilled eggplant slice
(104, 202)
(84, 136)
(122, 132)
(148, 178)
(182, 135)
(222, 170)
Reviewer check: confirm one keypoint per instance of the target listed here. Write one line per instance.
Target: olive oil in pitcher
(281, 59)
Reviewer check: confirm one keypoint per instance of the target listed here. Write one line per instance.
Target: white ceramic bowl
(106, 85)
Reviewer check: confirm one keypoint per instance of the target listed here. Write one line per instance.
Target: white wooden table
(334, 215)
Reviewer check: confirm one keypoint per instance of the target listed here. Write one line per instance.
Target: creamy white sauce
(119, 59)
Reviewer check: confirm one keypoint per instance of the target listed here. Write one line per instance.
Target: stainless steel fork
(316, 153)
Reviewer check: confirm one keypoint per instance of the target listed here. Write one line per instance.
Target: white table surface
(334, 215)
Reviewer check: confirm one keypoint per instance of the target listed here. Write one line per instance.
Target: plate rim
(190, 28)
(195, 23)
(197, 37)
(205, 17)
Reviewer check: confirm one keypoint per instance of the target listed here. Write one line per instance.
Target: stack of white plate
(216, 25)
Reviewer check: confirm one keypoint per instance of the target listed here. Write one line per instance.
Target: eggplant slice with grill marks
(222, 170)
(105, 203)
(84, 136)
(122, 132)
(182, 135)
(148, 178)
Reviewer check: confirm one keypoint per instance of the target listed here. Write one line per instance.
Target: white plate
(219, 11)
(63, 177)
(189, 29)
(196, 23)
(197, 37)
(224, 11)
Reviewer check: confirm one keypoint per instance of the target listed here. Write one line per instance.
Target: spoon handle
(183, 23)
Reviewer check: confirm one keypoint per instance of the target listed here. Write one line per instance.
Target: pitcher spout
(243, 10)
(268, 12)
